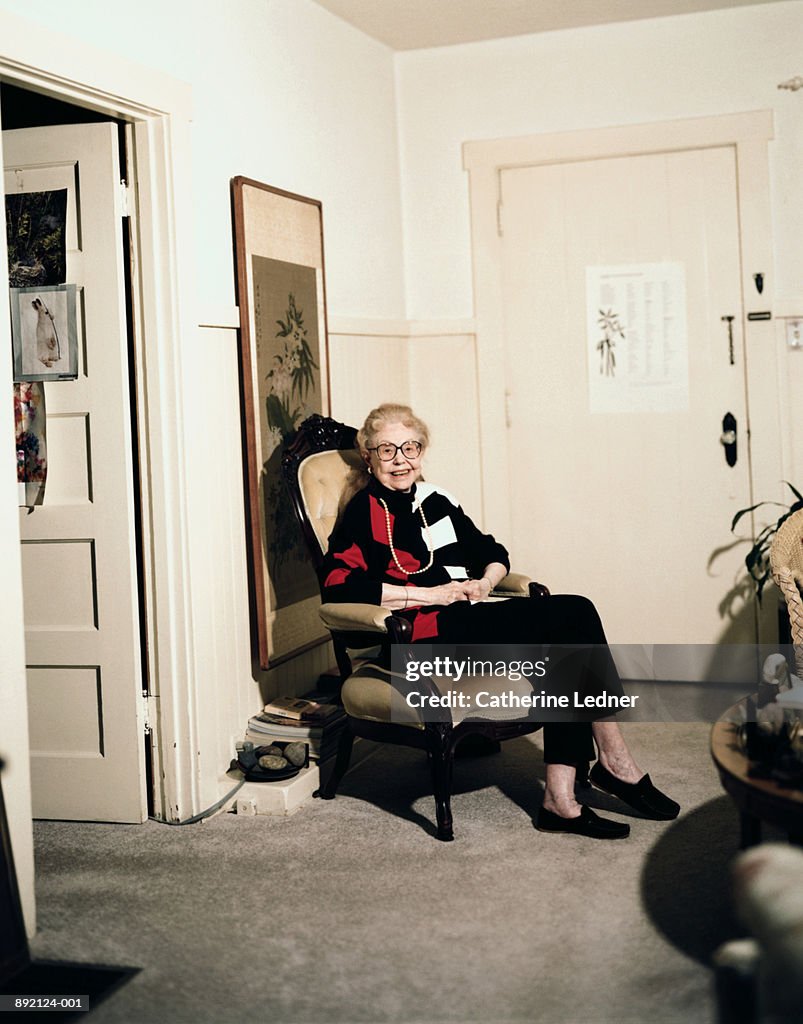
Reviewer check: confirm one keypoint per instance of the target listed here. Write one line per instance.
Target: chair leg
(328, 789)
(441, 765)
(750, 830)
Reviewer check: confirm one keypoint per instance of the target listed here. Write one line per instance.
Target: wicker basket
(786, 563)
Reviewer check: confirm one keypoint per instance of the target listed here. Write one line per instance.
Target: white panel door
(78, 548)
(628, 507)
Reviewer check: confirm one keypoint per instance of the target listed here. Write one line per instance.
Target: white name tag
(442, 533)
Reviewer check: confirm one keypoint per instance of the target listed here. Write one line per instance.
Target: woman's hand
(397, 598)
(477, 590)
(446, 593)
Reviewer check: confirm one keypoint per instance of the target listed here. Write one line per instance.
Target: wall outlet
(794, 332)
(247, 807)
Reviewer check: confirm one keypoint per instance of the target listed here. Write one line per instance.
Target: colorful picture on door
(29, 423)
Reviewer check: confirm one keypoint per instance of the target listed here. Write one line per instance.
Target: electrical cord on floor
(204, 814)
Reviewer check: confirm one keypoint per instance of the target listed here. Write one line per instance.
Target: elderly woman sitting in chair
(409, 546)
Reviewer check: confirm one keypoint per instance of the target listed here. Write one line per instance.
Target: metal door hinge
(125, 199)
(148, 712)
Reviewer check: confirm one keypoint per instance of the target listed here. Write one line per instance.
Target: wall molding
(393, 328)
(77, 72)
(225, 317)
(228, 318)
(619, 140)
(786, 306)
(442, 328)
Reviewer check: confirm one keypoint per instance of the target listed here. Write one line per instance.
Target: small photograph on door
(44, 332)
(36, 232)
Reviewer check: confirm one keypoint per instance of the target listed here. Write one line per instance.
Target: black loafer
(642, 796)
(587, 824)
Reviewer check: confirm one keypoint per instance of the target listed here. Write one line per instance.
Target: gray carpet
(350, 910)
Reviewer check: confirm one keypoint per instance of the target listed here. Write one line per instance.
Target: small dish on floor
(260, 774)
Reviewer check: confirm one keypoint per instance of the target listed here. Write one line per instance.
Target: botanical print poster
(637, 338)
(281, 293)
(287, 355)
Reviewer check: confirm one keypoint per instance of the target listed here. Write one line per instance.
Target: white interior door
(627, 505)
(78, 548)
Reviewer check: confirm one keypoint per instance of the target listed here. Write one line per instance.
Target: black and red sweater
(359, 559)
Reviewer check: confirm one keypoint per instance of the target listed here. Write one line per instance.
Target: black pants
(561, 619)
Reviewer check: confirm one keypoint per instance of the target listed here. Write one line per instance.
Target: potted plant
(757, 558)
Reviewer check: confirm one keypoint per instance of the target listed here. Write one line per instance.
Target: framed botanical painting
(284, 379)
(44, 332)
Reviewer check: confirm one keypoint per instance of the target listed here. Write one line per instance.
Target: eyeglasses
(387, 451)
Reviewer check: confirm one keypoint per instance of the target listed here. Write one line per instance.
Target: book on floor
(301, 709)
(297, 727)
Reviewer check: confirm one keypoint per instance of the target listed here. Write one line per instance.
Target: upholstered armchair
(317, 465)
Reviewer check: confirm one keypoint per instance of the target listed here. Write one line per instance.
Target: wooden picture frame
(284, 378)
(44, 332)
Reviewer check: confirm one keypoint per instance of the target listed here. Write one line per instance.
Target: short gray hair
(390, 412)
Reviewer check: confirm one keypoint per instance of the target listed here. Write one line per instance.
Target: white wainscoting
(430, 365)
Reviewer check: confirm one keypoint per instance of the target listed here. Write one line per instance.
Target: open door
(79, 547)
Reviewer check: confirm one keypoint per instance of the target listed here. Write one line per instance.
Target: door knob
(728, 438)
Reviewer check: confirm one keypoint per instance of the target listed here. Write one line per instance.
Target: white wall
(283, 92)
(685, 66)
(718, 62)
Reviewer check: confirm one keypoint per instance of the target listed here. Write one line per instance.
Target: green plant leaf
(794, 491)
(744, 511)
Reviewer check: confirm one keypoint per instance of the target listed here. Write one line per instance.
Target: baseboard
(285, 798)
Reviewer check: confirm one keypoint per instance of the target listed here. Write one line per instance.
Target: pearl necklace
(399, 566)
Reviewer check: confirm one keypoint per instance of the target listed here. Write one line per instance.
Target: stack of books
(318, 723)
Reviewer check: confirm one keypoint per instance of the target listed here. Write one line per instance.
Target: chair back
(316, 466)
(786, 563)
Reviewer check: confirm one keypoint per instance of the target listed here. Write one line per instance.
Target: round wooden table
(757, 799)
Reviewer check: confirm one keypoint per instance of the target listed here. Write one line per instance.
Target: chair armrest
(513, 583)
(355, 617)
(516, 584)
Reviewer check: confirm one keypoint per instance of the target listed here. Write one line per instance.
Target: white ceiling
(416, 24)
